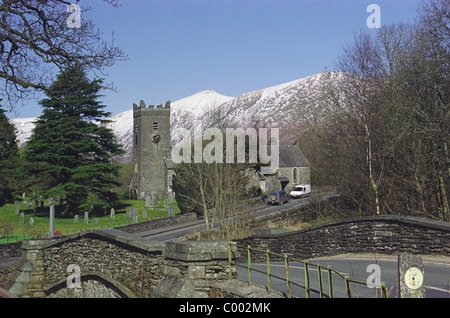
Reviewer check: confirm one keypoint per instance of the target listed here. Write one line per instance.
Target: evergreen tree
(70, 150)
(9, 154)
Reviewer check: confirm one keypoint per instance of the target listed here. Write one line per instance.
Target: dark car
(276, 197)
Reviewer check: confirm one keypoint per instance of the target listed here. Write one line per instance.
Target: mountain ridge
(287, 106)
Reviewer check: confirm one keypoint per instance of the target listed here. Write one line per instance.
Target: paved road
(172, 232)
(436, 276)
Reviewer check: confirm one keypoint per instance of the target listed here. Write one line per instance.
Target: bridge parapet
(388, 234)
(125, 264)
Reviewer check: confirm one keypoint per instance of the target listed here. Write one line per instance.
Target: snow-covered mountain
(288, 106)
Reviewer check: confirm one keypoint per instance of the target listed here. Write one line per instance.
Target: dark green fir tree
(9, 158)
(70, 151)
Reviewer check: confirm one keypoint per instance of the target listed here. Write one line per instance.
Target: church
(153, 167)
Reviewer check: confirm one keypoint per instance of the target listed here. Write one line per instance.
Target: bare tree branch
(36, 41)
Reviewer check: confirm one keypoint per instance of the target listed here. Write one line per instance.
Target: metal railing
(320, 290)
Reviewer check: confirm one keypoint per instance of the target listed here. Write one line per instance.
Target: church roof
(292, 156)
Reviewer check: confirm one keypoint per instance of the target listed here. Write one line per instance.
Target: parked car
(300, 190)
(276, 197)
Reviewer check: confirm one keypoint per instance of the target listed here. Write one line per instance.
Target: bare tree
(384, 141)
(36, 40)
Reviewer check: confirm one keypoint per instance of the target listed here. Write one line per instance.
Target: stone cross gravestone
(411, 276)
(51, 230)
(170, 198)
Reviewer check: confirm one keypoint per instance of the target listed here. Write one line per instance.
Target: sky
(177, 48)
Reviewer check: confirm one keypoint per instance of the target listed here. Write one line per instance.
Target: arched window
(294, 175)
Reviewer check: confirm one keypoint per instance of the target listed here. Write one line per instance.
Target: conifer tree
(9, 154)
(70, 151)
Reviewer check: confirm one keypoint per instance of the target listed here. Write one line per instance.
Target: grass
(67, 226)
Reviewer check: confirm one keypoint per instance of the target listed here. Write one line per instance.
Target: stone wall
(388, 234)
(158, 223)
(10, 250)
(114, 263)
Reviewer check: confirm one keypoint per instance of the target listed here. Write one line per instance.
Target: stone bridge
(383, 234)
(114, 263)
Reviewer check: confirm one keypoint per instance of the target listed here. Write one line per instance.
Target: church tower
(151, 150)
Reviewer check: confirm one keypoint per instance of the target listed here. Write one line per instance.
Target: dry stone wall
(389, 234)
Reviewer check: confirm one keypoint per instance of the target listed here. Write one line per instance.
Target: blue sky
(177, 48)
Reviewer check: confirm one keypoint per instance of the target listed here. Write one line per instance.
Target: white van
(300, 190)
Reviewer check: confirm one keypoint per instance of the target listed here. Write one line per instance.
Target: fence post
(384, 290)
(347, 286)
(288, 284)
(249, 265)
(330, 282)
(319, 273)
(269, 283)
(307, 292)
(229, 261)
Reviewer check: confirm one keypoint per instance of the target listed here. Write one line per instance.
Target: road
(437, 272)
(173, 232)
(436, 276)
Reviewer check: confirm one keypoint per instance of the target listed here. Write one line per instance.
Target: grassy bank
(17, 231)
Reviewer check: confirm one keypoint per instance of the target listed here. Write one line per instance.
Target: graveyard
(19, 221)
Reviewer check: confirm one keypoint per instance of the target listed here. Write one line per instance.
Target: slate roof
(292, 156)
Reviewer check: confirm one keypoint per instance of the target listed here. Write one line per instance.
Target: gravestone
(112, 213)
(94, 221)
(16, 208)
(144, 213)
(75, 219)
(52, 219)
(22, 218)
(128, 214)
(27, 203)
(135, 219)
(31, 221)
(86, 217)
(170, 198)
(133, 211)
(170, 211)
(411, 276)
(148, 201)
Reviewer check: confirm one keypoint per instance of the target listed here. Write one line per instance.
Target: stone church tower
(151, 150)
